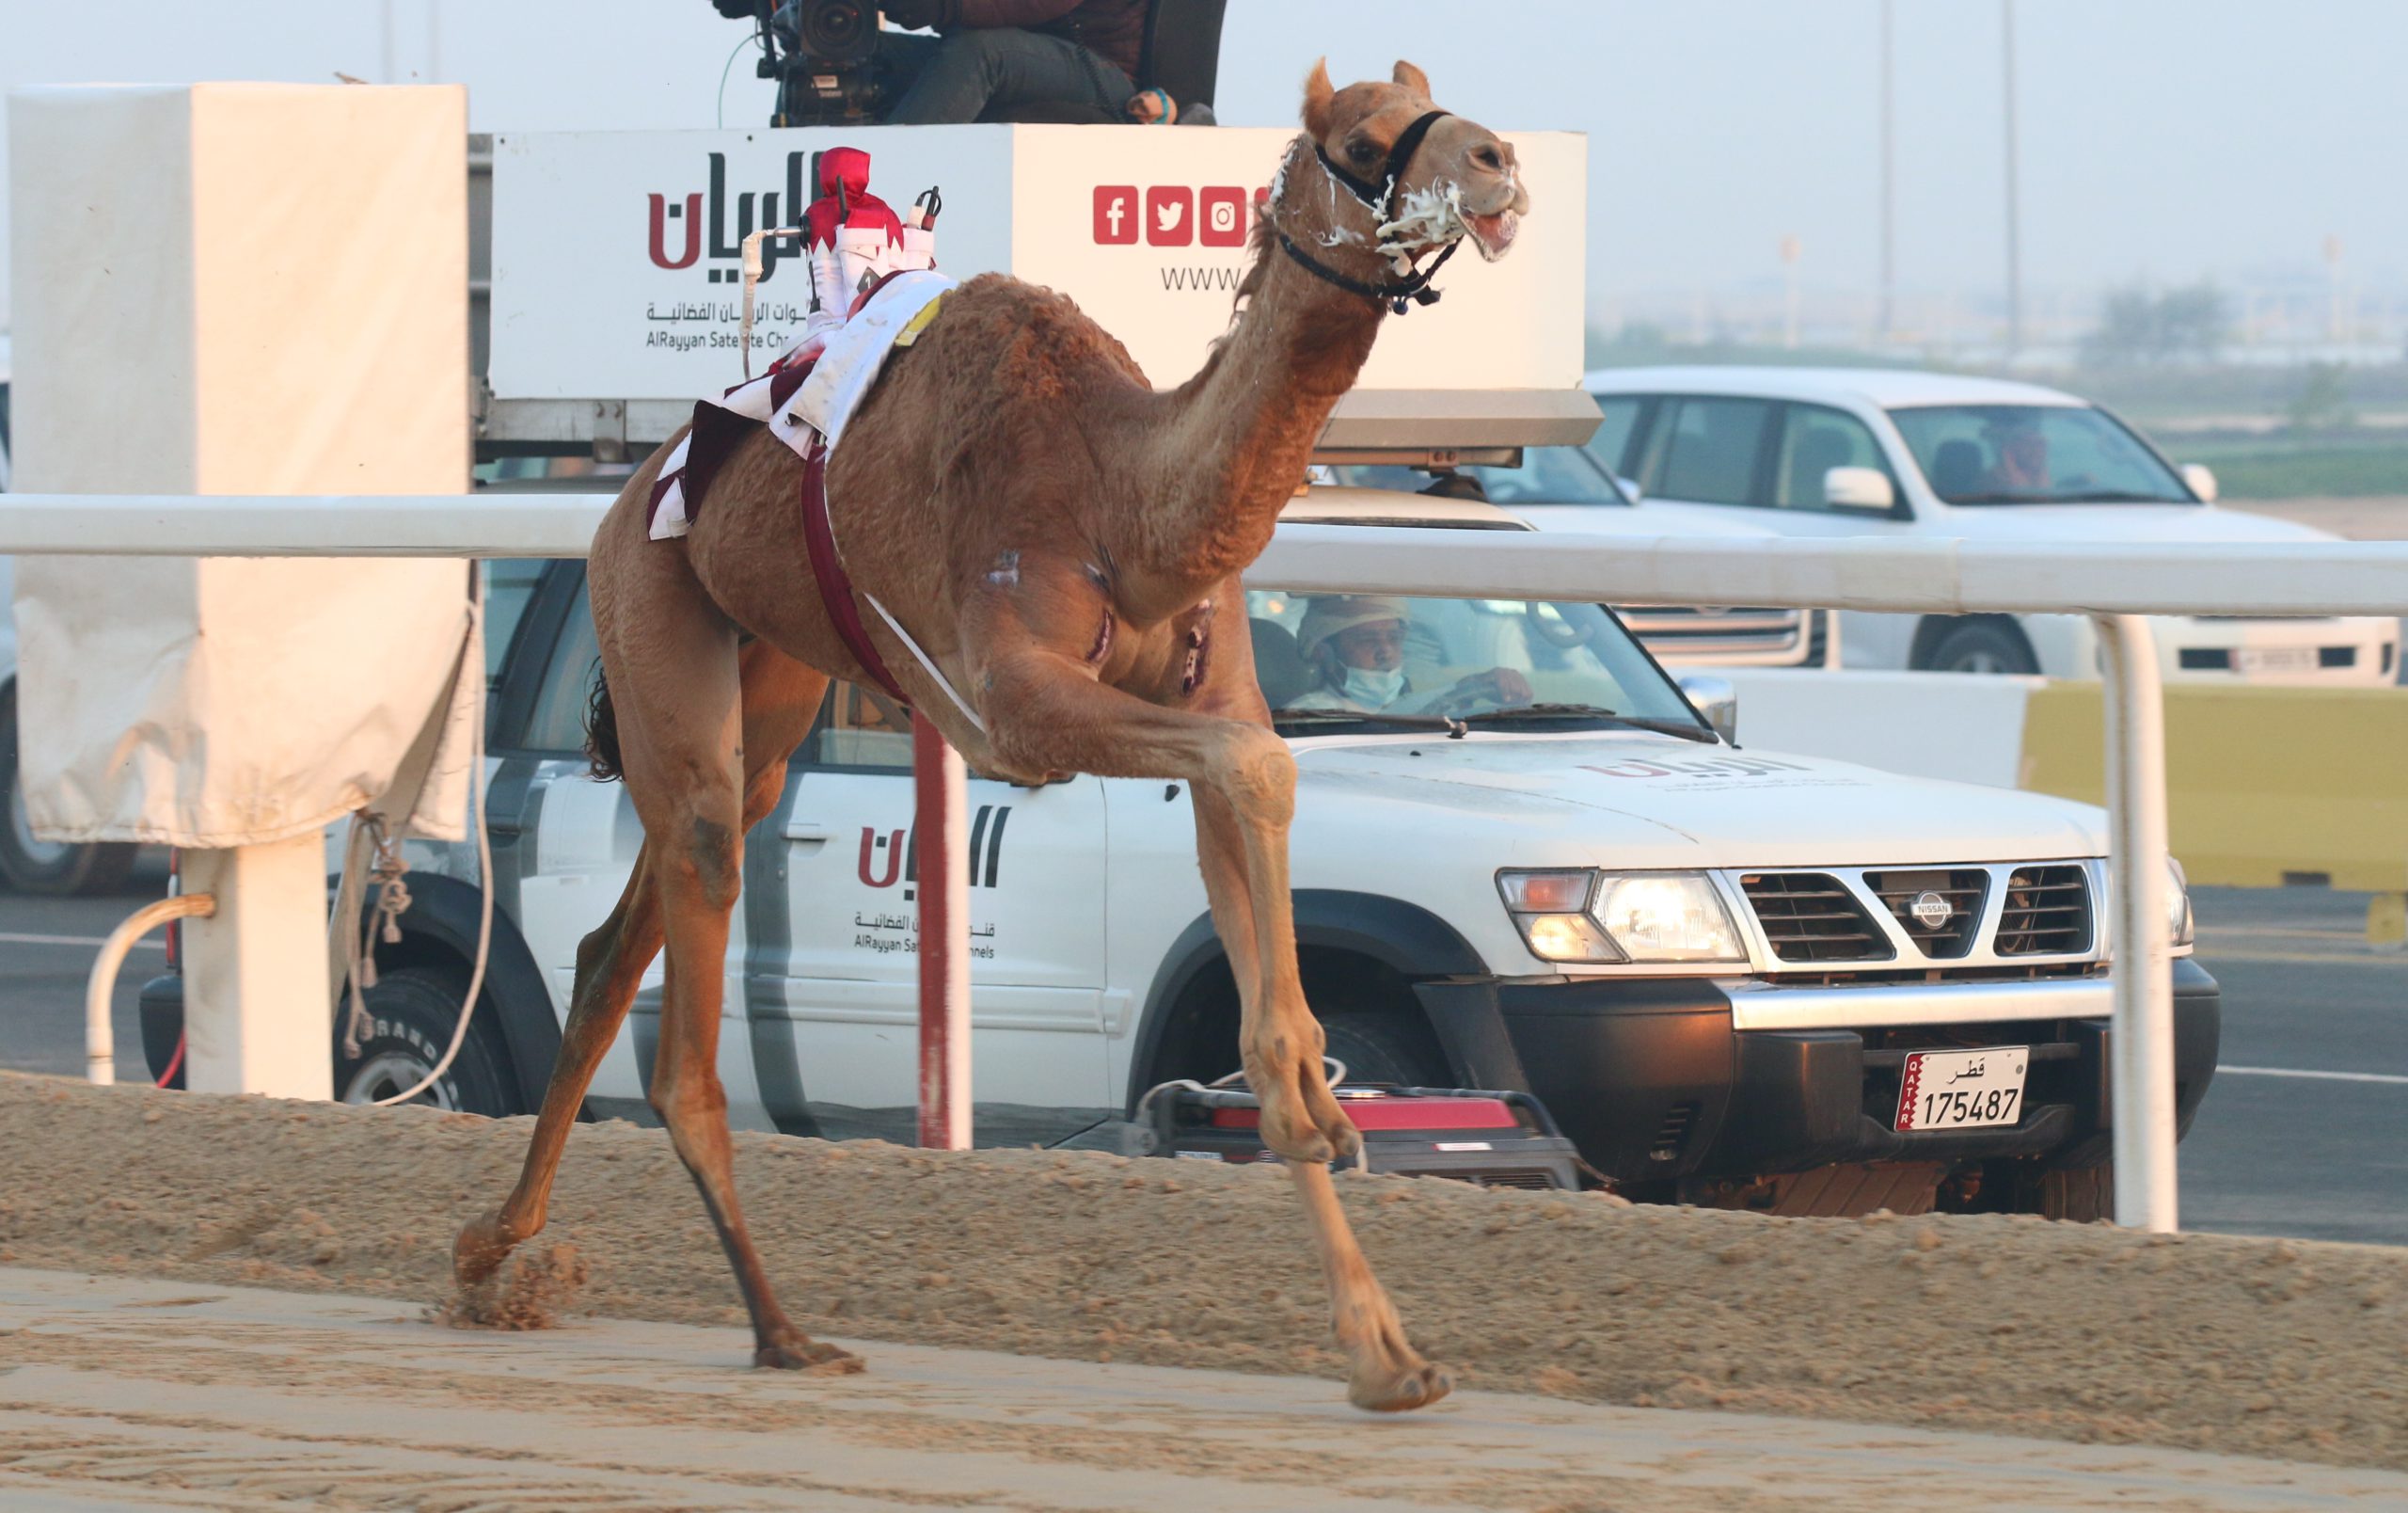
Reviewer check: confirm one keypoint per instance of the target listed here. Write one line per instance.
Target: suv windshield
(1547, 475)
(2035, 455)
(1375, 659)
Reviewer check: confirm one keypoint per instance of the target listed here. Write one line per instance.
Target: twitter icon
(1170, 215)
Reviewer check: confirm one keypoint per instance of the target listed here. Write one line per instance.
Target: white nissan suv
(1523, 860)
(1872, 451)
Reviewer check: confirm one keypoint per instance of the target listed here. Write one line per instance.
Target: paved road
(2322, 1155)
(118, 1393)
(2274, 1152)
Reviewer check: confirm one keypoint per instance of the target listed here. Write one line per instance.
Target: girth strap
(835, 586)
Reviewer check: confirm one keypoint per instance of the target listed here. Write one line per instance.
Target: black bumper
(1651, 1082)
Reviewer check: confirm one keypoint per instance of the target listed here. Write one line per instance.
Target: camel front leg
(1385, 1374)
(1243, 781)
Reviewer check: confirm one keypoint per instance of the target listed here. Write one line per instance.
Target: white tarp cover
(240, 289)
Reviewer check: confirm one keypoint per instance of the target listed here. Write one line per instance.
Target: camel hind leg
(610, 962)
(678, 681)
(779, 698)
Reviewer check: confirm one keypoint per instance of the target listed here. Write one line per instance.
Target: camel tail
(602, 731)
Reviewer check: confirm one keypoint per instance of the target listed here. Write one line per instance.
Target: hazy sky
(2168, 139)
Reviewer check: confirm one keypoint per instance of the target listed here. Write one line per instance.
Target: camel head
(1376, 185)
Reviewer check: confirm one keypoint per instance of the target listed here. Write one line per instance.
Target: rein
(1402, 294)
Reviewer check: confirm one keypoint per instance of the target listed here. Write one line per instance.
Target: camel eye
(1362, 152)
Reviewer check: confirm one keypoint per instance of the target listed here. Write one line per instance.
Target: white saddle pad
(847, 369)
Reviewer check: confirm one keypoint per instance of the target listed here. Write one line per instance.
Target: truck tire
(1379, 1047)
(2079, 1195)
(1982, 643)
(34, 865)
(415, 1010)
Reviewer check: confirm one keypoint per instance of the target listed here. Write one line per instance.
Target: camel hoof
(479, 1249)
(1293, 1134)
(813, 1356)
(1391, 1391)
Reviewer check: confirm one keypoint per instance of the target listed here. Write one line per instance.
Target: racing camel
(1063, 543)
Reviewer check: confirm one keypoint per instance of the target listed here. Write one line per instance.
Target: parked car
(1530, 863)
(1874, 451)
(28, 863)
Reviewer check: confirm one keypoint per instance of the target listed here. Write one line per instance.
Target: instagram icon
(1220, 216)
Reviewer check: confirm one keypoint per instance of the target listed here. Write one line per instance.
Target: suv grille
(2047, 912)
(1673, 631)
(1961, 888)
(1812, 916)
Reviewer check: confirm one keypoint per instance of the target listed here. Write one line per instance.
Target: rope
(387, 869)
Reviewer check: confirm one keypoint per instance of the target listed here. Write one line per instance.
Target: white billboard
(615, 272)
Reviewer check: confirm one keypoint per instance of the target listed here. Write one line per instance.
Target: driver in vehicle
(2023, 453)
(1355, 644)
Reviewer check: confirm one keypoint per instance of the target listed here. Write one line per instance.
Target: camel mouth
(1494, 233)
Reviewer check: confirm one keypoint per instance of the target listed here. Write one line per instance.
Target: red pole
(939, 784)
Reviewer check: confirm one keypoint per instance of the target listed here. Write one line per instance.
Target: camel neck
(1240, 431)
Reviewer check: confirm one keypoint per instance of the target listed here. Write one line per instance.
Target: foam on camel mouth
(1493, 233)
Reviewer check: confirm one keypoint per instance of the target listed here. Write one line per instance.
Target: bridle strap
(1399, 294)
(1381, 197)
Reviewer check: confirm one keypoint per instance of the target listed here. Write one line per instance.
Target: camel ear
(1318, 95)
(1412, 78)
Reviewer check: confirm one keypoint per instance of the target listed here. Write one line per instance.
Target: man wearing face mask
(1355, 644)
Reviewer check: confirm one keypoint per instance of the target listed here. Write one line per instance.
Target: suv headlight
(1621, 916)
(2179, 927)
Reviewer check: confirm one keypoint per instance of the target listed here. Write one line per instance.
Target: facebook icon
(1115, 213)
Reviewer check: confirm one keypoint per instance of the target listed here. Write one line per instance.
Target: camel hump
(1000, 321)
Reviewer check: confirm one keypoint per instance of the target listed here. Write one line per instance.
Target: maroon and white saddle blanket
(805, 399)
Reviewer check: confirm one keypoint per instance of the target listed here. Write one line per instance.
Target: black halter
(1399, 294)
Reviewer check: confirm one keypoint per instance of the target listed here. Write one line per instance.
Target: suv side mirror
(2202, 479)
(1859, 488)
(1715, 699)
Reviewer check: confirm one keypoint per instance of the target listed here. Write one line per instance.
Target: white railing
(2116, 586)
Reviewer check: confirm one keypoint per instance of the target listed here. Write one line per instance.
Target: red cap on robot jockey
(845, 199)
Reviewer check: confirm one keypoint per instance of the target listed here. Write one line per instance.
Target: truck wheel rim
(20, 824)
(388, 1073)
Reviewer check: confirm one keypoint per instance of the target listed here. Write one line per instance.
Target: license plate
(1962, 1089)
(2274, 659)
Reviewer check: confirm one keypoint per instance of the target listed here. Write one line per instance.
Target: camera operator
(1008, 54)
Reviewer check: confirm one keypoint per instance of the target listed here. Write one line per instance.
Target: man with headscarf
(1355, 644)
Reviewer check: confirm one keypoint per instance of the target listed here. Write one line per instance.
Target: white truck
(1716, 965)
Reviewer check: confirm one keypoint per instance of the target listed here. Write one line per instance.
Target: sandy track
(2268, 1348)
(127, 1393)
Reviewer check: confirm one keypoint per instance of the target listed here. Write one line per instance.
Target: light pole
(2336, 318)
(1888, 184)
(2014, 234)
(1789, 251)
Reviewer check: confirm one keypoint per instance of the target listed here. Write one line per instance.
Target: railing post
(939, 784)
(257, 1018)
(2142, 1072)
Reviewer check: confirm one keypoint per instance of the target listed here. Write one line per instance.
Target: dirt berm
(2284, 1348)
